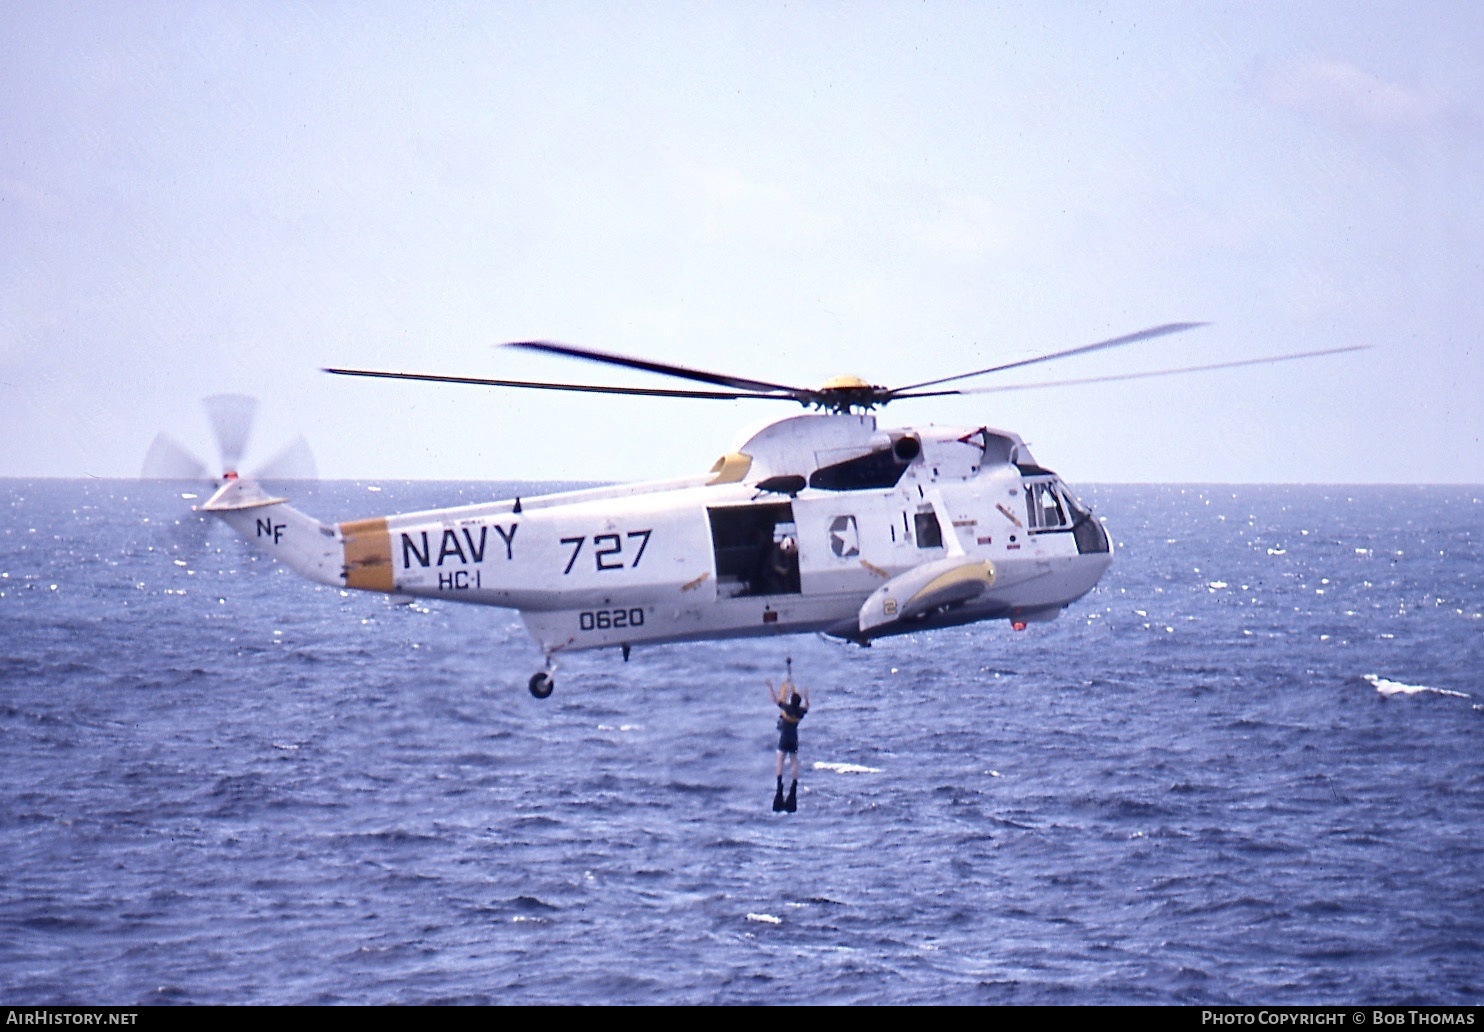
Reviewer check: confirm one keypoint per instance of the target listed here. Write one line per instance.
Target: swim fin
(778, 797)
(791, 804)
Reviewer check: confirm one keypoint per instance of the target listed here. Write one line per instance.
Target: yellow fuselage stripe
(368, 555)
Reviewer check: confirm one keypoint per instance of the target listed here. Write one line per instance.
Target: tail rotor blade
(294, 461)
(168, 460)
(231, 420)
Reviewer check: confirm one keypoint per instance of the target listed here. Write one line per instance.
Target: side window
(929, 533)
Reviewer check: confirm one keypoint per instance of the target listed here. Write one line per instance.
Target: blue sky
(198, 198)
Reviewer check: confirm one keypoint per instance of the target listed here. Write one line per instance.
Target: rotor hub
(847, 393)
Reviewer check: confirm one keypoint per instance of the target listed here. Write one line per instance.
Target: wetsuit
(789, 715)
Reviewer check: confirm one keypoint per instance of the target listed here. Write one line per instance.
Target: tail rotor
(231, 418)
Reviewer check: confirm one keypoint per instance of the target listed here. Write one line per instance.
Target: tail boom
(299, 541)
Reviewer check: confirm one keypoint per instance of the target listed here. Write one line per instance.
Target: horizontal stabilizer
(922, 589)
(238, 493)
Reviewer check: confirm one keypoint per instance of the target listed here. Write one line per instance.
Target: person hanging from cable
(792, 704)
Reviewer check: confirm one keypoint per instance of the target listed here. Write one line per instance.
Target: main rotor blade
(231, 420)
(1134, 376)
(1114, 342)
(167, 460)
(699, 375)
(648, 392)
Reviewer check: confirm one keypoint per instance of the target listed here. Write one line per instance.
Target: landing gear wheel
(541, 684)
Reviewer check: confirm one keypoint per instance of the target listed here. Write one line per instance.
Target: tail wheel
(541, 684)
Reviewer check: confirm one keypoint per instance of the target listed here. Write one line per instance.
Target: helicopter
(820, 522)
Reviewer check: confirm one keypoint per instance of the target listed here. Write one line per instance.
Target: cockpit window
(1050, 507)
(1075, 509)
(1045, 509)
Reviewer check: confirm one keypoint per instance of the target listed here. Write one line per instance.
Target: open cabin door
(756, 549)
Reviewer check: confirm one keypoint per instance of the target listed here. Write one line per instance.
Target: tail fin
(300, 542)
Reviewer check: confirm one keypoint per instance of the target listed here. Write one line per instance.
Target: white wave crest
(846, 768)
(1389, 688)
(765, 918)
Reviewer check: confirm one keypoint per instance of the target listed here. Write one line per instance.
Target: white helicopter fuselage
(814, 523)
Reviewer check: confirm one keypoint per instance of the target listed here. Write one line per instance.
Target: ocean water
(1246, 769)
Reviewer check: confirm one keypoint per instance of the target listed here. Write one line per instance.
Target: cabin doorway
(756, 549)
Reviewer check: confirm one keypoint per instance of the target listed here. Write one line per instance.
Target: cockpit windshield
(1051, 508)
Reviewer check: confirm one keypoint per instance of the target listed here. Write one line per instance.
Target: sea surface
(1246, 769)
